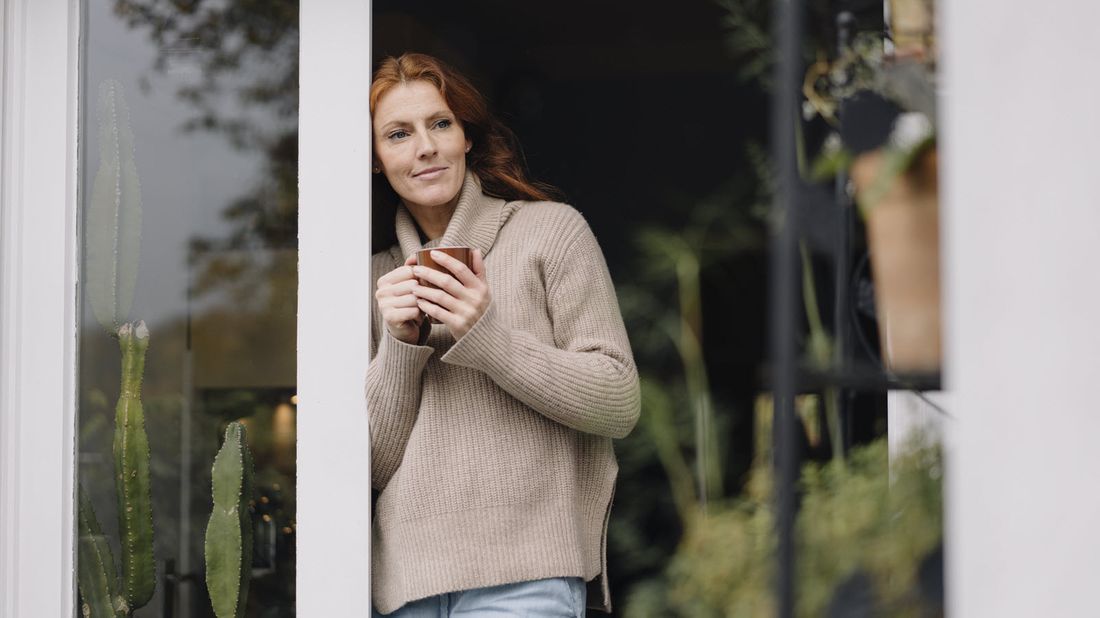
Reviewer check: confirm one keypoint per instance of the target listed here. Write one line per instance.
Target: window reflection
(211, 95)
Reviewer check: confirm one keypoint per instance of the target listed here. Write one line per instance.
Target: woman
(491, 430)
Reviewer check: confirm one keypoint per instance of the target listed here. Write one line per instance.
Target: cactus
(131, 450)
(229, 532)
(96, 568)
(113, 226)
(113, 232)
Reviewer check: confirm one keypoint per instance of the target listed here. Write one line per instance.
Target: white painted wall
(37, 306)
(1021, 191)
(333, 310)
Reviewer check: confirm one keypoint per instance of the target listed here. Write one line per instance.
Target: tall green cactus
(113, 227)
(131, 450)
(229, 532)
(112, 235)
(96, 567)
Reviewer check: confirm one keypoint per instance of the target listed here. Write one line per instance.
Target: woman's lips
(430, 173)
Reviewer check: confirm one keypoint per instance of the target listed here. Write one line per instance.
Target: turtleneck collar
(476, 220)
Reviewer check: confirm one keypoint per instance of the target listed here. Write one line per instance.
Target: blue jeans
(559, 597)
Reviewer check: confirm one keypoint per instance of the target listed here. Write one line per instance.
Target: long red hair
(495, 156)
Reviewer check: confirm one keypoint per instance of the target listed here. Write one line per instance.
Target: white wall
(333, 304)
(1021, 189)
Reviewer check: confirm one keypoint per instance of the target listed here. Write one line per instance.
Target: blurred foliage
(867, 515)
(684, 429)
(748, 27)
(866, 70)
(706, 547)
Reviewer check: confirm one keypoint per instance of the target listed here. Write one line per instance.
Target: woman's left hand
(463, 296)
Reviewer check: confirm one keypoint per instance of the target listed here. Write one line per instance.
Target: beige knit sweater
(493, 454)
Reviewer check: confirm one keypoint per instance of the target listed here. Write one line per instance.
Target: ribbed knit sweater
(493, 454)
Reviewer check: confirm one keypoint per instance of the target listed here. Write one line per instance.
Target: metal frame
(783, 280)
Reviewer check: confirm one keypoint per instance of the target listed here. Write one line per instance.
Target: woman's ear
(469, 145)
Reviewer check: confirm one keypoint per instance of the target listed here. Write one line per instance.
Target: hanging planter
(911, 24)
(897, 189)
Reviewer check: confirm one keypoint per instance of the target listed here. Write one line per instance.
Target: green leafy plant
(683, 424)
(866, 67)
(867, 514)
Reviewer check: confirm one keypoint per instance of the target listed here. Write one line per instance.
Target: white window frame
(39, 247)
(38, 293)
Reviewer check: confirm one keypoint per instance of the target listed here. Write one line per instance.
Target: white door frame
(39, 86)
(38, 292)
(333, 308)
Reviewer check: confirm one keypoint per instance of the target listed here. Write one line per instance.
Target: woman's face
(419, 145)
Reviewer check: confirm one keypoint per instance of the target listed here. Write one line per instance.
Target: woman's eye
(443, 124)
(398, 135)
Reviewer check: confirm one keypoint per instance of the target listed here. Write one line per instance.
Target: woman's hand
(398, 304)
(463, 296)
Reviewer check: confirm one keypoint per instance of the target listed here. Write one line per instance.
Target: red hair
(495, 156)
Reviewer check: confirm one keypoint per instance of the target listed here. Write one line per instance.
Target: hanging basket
(912, 27)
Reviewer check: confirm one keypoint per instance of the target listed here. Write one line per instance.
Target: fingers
(479, 265)
(395, 289)
(439, 313)
(396, 302)
(397, 275)
(457, 268)
(438, 297)
(411, 260)
(442, 280)
(407, 314)
(458, 322)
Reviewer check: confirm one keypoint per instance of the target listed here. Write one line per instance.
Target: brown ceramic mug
(424, 258)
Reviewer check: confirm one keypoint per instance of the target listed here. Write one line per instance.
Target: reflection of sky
(187, 179)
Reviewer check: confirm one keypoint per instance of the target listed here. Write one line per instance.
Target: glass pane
(189, 274)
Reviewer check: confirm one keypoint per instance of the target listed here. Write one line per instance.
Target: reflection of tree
(246, 90)
(235, 64)
(268, 216)
(223, 37)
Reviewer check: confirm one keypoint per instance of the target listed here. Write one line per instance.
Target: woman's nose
(425, 146)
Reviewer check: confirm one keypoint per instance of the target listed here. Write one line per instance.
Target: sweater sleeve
(394, 377)
(587, 379)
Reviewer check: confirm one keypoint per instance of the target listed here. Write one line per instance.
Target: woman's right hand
(398, 304)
